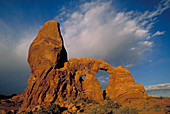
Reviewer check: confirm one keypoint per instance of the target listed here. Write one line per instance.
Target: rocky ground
(150, 105)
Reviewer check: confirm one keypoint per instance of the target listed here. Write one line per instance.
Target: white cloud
(14, 47)
(21, 50)
(150, 61)
(158, 90)
(97, 30)
(129, 65)
(158, 33)
(158, 87)
(103, 82)
(162, 6)
(146, 43)
(101, 77)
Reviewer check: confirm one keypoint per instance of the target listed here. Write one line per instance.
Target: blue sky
(134, 34)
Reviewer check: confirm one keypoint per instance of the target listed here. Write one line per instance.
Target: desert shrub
(160, 97)
(111, 104)
(82, 99)
(42, 111)
(129, 101)
(148, 109)
(133, 111)
(71, 101)
(156, 107)
(126, 110)
(147, 98)
(94, 102)
(167, 110)
(118, 105)
(88, 101)
(111, 107)
(54, 109)
(107, 98)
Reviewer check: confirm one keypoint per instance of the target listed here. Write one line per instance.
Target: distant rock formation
(54, 80)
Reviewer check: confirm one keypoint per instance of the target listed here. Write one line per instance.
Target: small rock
(74, 109)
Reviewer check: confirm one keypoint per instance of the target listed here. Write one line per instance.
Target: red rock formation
(54, 80)
(47, 50)
(122, 86)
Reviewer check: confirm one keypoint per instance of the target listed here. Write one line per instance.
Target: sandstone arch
(103, 78)
(54, 80)
(121, 83)
(86, 66)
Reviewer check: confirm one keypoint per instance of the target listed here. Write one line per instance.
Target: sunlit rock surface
(54, 79)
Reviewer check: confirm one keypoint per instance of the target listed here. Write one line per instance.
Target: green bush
(125, 110)
(133, 111)
(157, 107)
(107, 98)
(111, 104)
(160, 97)
(54, 108)
(71, 101)
(82, 99)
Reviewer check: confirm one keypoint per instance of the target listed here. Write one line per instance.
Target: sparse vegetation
(107, 106)
(107, 98)
(156, 107)
(71, 101)
(160, 97)
(111, 107)
(82, 99)
(125, 110)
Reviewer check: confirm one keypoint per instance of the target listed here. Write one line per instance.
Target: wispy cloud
(152, 16)
(129, 65)
(158, 33)
(158, 87)
(13, 58)
(97, 30)
(13, 50)
(158, 90)
(162, 6)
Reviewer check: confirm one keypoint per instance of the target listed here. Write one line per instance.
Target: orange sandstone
(54, 80)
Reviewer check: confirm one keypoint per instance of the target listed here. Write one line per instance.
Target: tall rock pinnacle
(47, 49)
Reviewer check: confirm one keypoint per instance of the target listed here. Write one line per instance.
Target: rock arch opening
(103, 78)
(83, 77)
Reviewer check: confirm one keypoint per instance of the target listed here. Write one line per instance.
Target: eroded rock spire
(47, 49)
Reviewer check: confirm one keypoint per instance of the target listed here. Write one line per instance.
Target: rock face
(47, 49)
(54, 80)
(46, 52)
